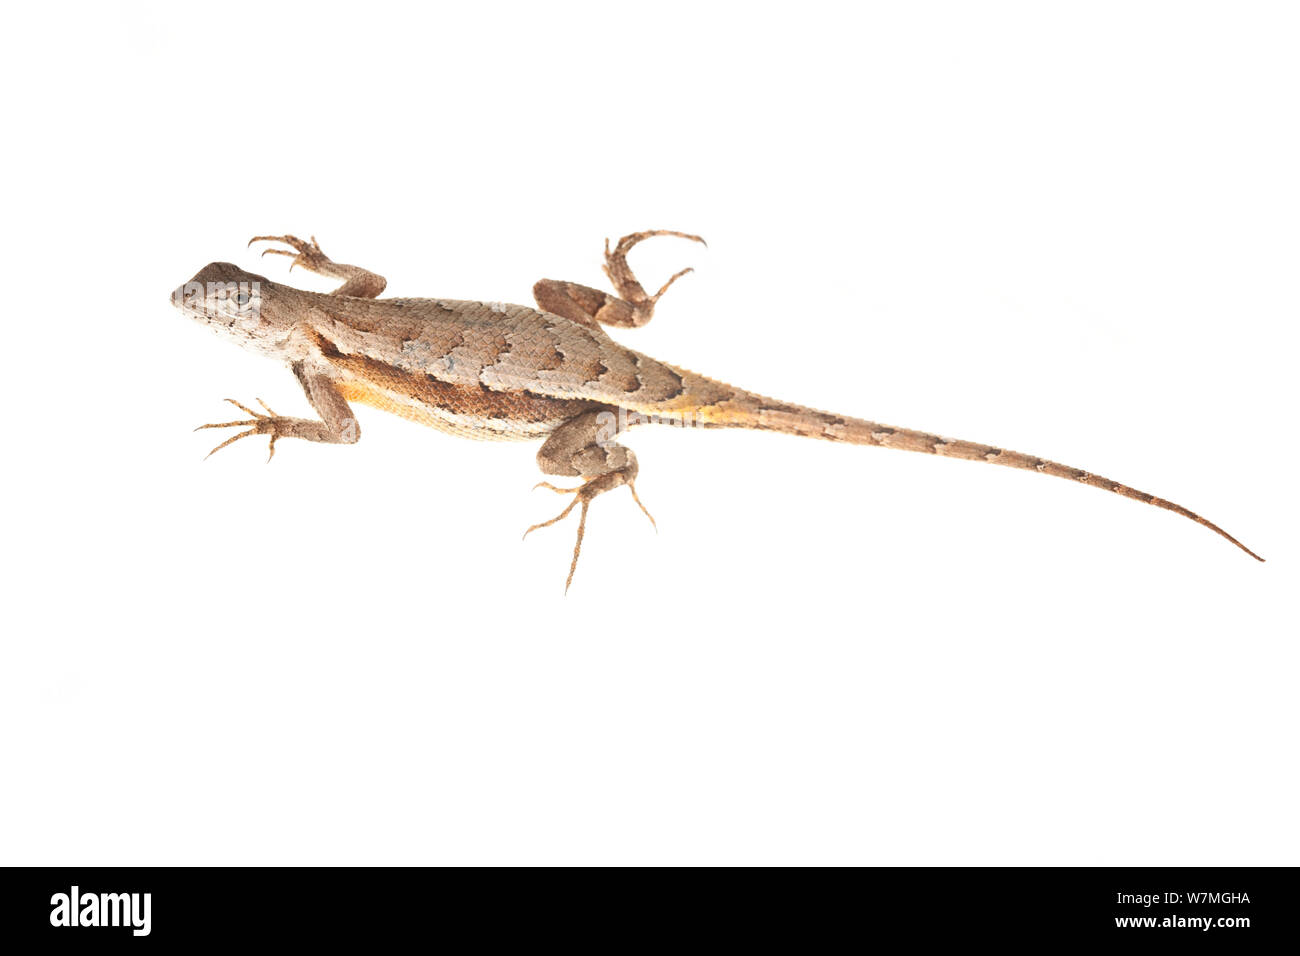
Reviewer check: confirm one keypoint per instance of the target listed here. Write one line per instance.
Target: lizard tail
(747, 410)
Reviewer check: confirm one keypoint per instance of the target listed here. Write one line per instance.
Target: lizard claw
(664, 288)
(561, 516)
(259, 424)
(616, 261)
(639, 302)
(556, 488)
(582, 495)
(578, 498)
(631, 486)
(631, 239)
(306, 254)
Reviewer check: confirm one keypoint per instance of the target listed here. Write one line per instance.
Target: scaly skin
(511, 372)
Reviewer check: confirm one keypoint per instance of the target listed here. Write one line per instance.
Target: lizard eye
(242, 299)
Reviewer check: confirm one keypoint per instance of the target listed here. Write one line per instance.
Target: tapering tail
(718, 405)
(861, 432)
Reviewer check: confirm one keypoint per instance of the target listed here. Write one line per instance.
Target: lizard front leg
(337, 424)
(583, 448)
(358, 281)
(632, 307)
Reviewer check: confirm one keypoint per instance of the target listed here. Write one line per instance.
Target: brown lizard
(496, 371)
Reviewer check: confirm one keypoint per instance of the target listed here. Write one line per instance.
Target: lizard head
(230, 301)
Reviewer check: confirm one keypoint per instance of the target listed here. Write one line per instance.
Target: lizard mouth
(190, 299)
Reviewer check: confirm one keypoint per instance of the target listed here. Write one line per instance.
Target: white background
(1069, 230)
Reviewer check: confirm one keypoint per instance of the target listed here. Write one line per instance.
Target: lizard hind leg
(631, 308)
(580, 448)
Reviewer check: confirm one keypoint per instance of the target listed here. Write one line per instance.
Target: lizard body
(511, 372)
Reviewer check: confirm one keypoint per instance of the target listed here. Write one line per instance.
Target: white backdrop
(1070, 232)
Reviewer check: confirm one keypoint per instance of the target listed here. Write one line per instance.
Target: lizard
(490, 370)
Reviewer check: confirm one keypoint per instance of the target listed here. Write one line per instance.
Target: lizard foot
(582, 496)
(360, 282)
(305, 254)
(620, 273)
(259, 424)
(630, 308)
